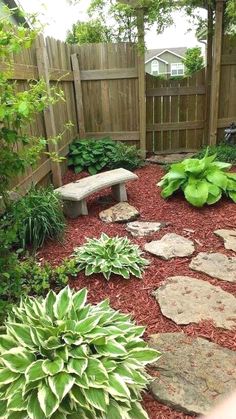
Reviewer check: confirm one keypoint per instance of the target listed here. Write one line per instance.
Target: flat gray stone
(229, 237)
(170, 246)
(193, 373)
(188, 300)
(143, 228)
(169, 158)
(215, 265)
(119, 213)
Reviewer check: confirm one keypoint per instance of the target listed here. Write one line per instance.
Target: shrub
(91, 154)
(203, 181)
(38, 216)
(109, 255)
(61, 358)
(125, 156)
(224, 152)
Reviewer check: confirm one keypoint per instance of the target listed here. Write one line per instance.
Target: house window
(177, 69)
(155, 67)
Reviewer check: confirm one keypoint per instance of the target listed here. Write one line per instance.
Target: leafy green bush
(109, 255)
(224, 152)
(203, 181)
(61, 358)
(90, 154)
(125, 156)
(38, 216)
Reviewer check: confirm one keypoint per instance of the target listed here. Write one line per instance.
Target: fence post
(216, 67)
(49, 120)
(78, 95)
(208, 72)
(141, 81)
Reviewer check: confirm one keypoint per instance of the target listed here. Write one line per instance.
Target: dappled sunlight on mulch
(135, 296)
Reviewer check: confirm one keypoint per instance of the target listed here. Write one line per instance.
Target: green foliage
(125, 156)
(88, 32)
(224, 152)
(203, 181)
(110, 255)
(63, 358)
(193, 60)
(38, 216)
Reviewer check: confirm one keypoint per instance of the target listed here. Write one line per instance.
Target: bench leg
(119, 192)
(73, 209)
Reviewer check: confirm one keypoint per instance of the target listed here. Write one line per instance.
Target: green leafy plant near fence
(38, 216)
(203, 181)
(62, 358)
(110, 255)
(224, 152)
(93, 155)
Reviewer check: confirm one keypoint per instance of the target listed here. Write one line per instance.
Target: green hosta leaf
(171, 188)
(61, 384)
(87, 325)
(96, 372)
(78, 169)
(22, 333)
(221, 165)
(218, 178)
(15, 386)
(115, 411)
(49, 303)
(3, 409)
(117, 386)
(144, 355)
(232, 195)
(52, 367)
(196, 193)
(33, 409)
(7, 342)
(7, 376)
(17, 359)
(79, 299)
(98, 398)
(113, 349)
(47, 400)
(77, 395)
(77, 366)
(16, 402)
(137, 412)
(63, 303)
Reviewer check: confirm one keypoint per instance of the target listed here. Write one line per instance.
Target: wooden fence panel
(178, 109)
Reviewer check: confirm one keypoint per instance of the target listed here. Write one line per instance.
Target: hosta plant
(62, 358)
(110, 255)
(203, 181)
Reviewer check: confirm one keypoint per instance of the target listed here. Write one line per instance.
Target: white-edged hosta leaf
(116, 411)
(7, 376)
(77, 395)
(117, 386)
(17, 359)
(137, 412)
(60, 384)
(88, 324)
(112, 349)
(22, 333)
(52, 367)
(144, 355)
(3, 409)
(47, 400)
(6, 343)
(96, 371)
(49, 303)
(82, 382)
(16, 402)
(97, 397)
(34, 410)
(80, 298)
(35, 371)
(15, 386)
(63, 303)
(77, 366)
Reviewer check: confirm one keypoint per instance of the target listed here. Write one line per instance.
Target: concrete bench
(74, 194)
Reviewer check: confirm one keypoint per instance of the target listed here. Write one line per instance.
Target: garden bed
(134, 296)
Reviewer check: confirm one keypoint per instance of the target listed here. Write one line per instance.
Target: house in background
(16, 18)
(165, 61)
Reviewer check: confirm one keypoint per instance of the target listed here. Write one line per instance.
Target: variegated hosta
(107, 255)
(62, 358)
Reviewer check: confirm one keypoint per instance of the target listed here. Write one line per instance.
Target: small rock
(188, 300)
(229, 237)
(170, 246)
(119, 213)
(215, 265)
(169, 158)
(144, 228)
(193, 373)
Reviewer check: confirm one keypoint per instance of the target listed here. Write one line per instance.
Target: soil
(134, 295)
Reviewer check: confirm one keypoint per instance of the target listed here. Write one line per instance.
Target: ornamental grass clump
(203, 181)
(110, 255)
(62, 358)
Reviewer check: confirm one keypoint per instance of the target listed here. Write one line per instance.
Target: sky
(59, 16)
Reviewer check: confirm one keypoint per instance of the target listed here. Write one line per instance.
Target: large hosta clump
(62, 358)
(203, 181)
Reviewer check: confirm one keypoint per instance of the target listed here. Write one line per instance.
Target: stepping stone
(229, 237)
(193, 373)
(119, 213)
(170, 246)
(169, 158)
(144, 228)
(188, 300)
(215, 265)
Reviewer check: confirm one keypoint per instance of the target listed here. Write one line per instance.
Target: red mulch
(134, 296)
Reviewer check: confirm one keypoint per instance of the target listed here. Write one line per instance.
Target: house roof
(12, 4)
(151, 53)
